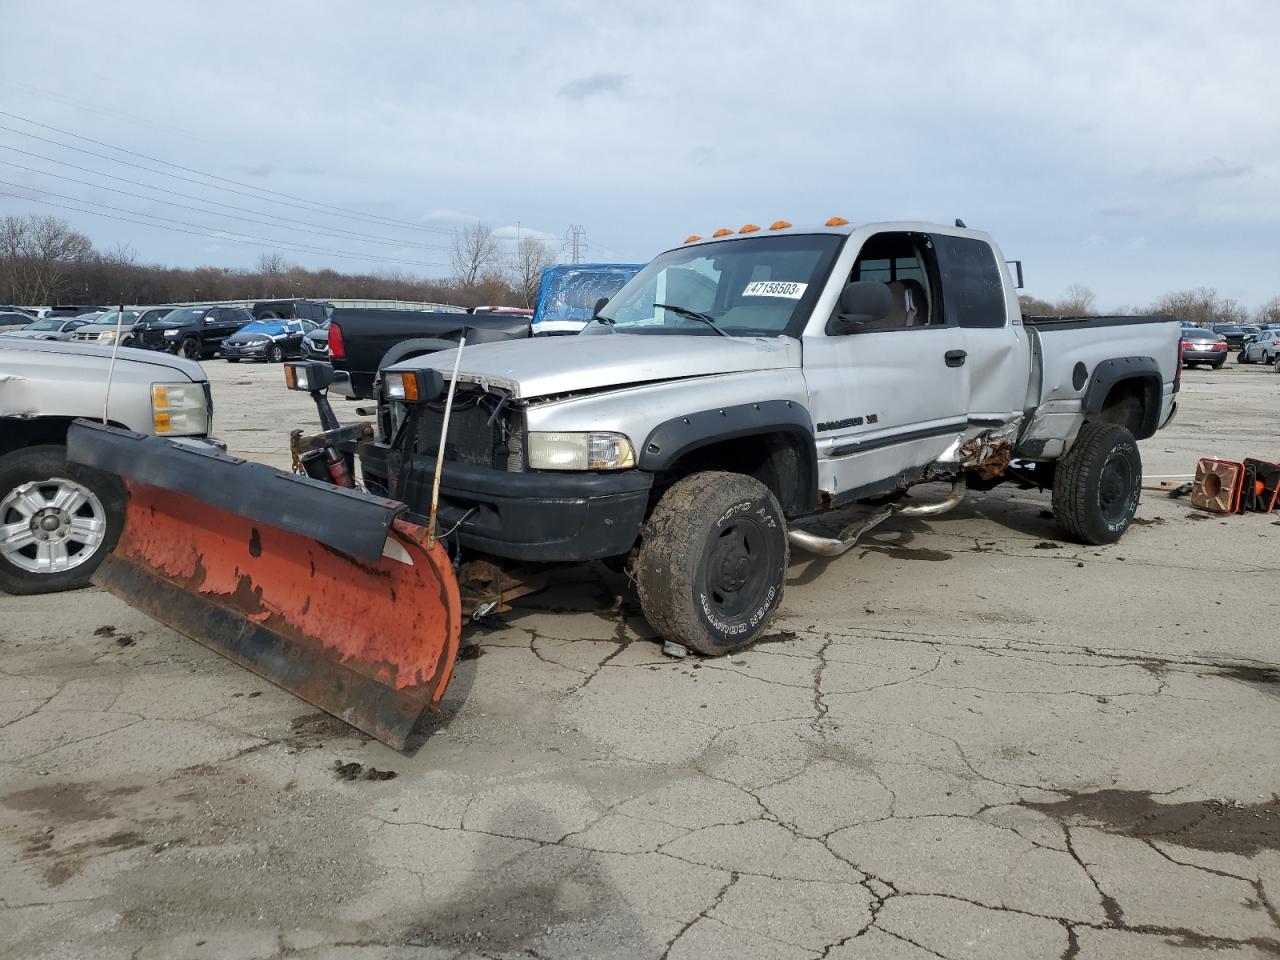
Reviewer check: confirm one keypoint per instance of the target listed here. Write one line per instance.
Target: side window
(971, 280)
(904, 263)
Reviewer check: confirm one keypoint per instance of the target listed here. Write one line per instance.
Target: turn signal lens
(837, 222)
(722, 232)
(749, 228)
(290, 377)
(401, 386)
(692, 238)
(779, 225)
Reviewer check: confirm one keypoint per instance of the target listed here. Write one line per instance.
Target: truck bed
(1073, 356)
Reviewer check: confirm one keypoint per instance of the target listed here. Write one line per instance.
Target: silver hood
(543, 366)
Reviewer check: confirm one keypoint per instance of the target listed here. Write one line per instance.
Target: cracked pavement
(957, 742)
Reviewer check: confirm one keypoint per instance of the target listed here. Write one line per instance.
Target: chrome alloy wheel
(48, 526)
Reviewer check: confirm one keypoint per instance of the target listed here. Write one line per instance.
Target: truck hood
(78, 352)
(543, 366)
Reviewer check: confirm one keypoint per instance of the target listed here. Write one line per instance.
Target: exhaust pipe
(848, 538)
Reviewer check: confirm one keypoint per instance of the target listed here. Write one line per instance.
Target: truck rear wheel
(712, 562)
(1097, 484)
(57, 520)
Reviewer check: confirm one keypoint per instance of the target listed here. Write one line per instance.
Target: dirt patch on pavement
(1217, 825)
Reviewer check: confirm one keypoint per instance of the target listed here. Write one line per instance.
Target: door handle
(955, 358)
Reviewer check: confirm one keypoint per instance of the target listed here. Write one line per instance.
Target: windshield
(757, 286)
(44, 325)
(109, 318)
(185, 315)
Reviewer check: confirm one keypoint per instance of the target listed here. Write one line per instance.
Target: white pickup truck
(741, 384)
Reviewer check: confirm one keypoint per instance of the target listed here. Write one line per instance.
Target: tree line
(43, 261)
(1201, 305)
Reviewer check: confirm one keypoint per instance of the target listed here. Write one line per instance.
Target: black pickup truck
(361, 342)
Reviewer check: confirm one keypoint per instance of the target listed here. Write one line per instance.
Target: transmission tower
(575, 242)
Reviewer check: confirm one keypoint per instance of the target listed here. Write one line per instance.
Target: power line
(281, 221)
(215, 234)
(311, 206)
(339, 235)
(101, 110)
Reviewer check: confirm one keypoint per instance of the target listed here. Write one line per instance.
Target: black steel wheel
(190, 348)
(1098, 484)
(712, 562)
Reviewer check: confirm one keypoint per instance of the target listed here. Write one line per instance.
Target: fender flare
(1108, 373)
(674, 438)
(414, 348)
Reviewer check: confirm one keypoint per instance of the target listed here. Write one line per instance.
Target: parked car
(1202, 345)
(73, 310)
(102, 328)
(315, 345)
(14, 319)
(194, 332)
(59, 519)
(268, 340)
(315, 310)
(1234, 333)
(1264, 348)
(50, 328)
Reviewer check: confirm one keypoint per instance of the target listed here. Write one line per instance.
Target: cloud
(595, 85)
(515, 232)
(1215, 168)
(449, 216)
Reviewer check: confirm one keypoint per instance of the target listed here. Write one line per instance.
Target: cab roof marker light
(749, 228)
(692, 238)
(779, 225)
(837, 222)
(722, 232)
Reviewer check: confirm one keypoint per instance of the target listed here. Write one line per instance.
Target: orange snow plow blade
(371, 640)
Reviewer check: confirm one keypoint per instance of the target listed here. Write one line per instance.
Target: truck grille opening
(476, 436)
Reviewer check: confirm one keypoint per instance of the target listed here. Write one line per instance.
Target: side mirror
(600, 305)
(861, 301)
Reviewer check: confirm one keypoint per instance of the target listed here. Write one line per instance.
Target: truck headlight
(171, 333)
(107, 336)
(179, 409)
(580, 451)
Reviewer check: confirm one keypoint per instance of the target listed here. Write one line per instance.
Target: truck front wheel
(57, 520)
(1097, 484)
(712, 562)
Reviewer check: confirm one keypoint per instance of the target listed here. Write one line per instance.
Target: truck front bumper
(531, 517)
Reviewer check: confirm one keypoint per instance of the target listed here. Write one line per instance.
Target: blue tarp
(568, 293)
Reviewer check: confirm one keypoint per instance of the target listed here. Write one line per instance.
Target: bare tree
(1078, 301)
(1269, 312)
(36, 256)
(272, 264)
(1199, 306)
(524, 272)
(474, 254)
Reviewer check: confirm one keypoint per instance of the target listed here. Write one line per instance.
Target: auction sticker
(775, 288)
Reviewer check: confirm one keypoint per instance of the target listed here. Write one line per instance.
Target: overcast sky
(1131, 147)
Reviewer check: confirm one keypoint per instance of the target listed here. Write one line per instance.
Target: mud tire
(1097, 485)
(712, 562)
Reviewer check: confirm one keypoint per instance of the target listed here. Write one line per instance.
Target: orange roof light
(779, 225)
(692, 238)
(837, 222)
(749, 228)
(722, 232)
